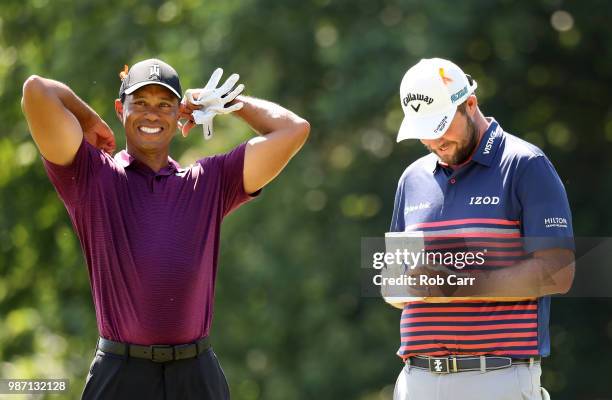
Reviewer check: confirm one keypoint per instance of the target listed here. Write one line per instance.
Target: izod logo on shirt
(486, 200)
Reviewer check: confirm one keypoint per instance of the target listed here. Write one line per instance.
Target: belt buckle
(439, 365)
(162, 352)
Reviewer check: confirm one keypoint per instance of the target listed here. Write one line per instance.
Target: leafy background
(290, 322)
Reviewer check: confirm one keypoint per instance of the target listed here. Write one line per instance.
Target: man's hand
(200, 106)
(438, 293)
(99, 135)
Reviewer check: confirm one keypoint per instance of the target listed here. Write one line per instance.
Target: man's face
(457, 143)
(149, 116)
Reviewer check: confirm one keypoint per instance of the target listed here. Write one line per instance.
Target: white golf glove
(213, 100)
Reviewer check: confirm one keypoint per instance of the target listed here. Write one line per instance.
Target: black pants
(117, 377)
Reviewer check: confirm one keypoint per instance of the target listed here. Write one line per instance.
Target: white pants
(518, 382)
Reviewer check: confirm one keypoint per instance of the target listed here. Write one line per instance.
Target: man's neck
(154, 160)
(481, 124)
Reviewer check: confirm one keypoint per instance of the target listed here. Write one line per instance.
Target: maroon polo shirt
(151, 240)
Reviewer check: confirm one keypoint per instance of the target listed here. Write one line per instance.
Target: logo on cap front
(154, 72)
(410, 97)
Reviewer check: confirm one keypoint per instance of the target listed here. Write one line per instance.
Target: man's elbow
(567, 278)
(558, 267)
(302, 130)
(31, 87)
(32, 84)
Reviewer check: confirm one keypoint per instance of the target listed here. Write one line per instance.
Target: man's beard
(463, 149)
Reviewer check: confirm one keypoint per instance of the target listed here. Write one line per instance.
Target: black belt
(156, 352)
(445, 365)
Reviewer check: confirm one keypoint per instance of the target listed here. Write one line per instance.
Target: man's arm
(58, 119)
(547, 272)
(282, 132)
(551, 267)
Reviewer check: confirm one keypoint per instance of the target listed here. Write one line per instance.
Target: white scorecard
(400, 249)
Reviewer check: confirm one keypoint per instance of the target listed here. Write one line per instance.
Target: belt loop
(127, 351)
(408, 364)
(530, 362)
(197, 346)
(483, 364)
(454, 358)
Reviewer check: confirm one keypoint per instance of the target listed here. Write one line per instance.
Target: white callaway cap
(430, 93)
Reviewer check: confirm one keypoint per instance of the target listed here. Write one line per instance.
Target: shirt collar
(125, 160)
(485, 151)
(489, 143)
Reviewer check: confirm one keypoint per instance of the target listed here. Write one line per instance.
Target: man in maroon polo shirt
(149, 229)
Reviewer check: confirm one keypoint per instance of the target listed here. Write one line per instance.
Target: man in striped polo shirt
(484, 190)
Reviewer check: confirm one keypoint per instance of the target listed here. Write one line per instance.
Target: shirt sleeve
(545, 213)
(72, 182)
(230, 167)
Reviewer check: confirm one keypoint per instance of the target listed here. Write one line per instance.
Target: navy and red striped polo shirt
(506, 192)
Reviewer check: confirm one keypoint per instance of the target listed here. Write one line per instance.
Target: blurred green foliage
(290, 322)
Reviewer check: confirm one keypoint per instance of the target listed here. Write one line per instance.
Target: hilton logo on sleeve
(555, 222)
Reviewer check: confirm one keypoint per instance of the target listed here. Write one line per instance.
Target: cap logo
(459, 94)
(416, 97)
(445, 79)
(441, 125)
(154, 72)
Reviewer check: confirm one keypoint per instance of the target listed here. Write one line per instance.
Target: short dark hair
(461, 107)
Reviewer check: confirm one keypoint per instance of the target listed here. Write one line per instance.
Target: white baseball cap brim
(428, 127)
